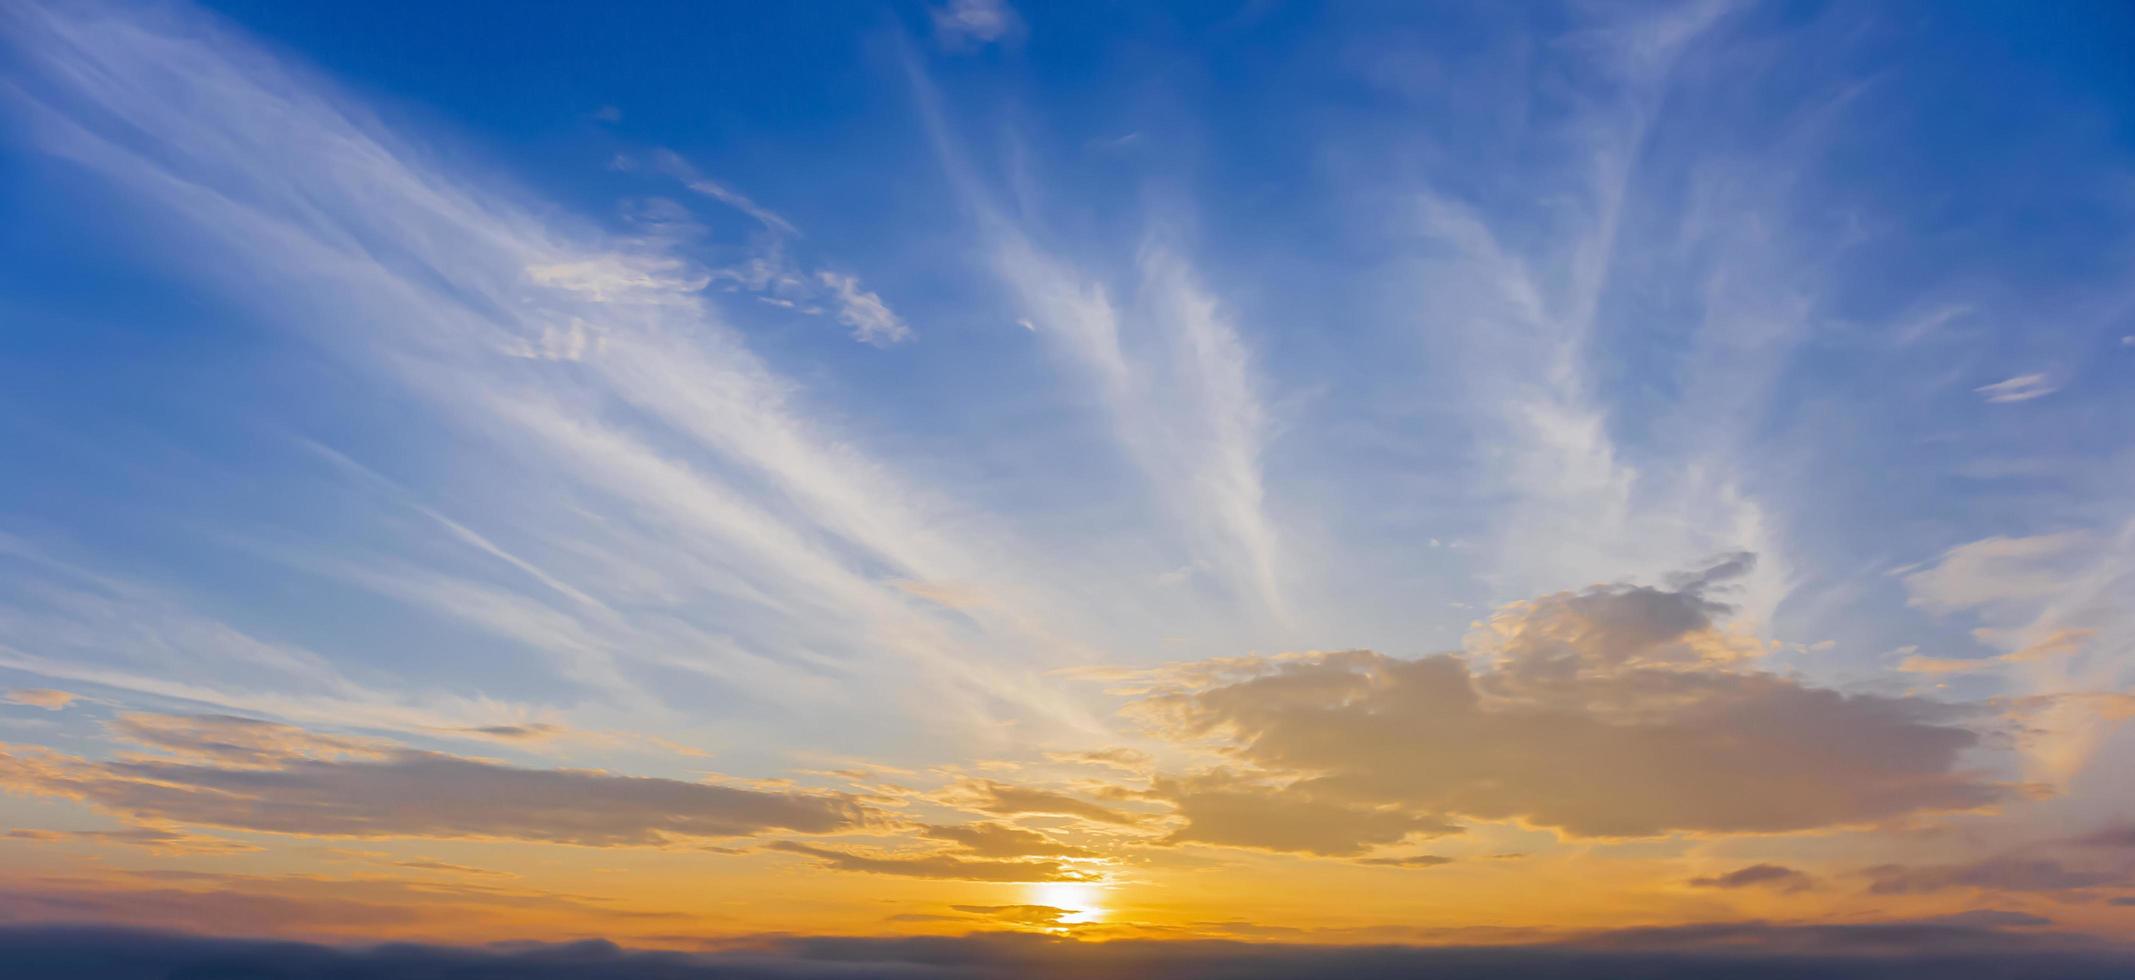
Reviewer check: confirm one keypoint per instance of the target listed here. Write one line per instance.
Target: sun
(1084, 899)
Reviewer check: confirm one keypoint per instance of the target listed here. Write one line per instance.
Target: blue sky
(795, 383)
(1773, 272)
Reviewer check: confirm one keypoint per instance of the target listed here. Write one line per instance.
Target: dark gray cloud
(206, 901)
(1758, 876)
(2003, 873)
(516, 733)
(1992, 919)
(1746, 951)
(2115, 836)
(1408, 861)
(947, 866)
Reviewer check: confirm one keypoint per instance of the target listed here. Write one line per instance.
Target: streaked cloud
(999, 840)
(2005, 873)
(946, 866)
(40, 697)
(1773, 876)
(2021, 388)
(1407, 861)
(162, 840)
(872, 322)
(1007, 799)
(259, 776)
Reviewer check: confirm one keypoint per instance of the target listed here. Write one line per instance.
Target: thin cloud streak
(446, 341)
(1170, 369)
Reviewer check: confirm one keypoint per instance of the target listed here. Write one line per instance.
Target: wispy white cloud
(1517, 305)
(963, 24)
(778, 279)
(870, 318)
(1170, 368)
(2053, 603)
(2022, 388)
(351, 235)
(673, 164)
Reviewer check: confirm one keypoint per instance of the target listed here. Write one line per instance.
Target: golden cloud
(1615, 711)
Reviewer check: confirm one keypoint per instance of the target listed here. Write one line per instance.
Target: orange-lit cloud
(40, 697)
(253, 775)
(1617, 711)
(158, 839)
(1221, 807)
(1010, 800)
(947, 866)
(996, 840)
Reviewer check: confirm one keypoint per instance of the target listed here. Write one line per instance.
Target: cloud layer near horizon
(1921, 949)
(247, 774)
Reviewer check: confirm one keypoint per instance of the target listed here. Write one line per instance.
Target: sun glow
(1082, 899)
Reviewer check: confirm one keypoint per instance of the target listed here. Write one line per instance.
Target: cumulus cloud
(1757, 876)
(1223, 808)
(280, 779)
(1616, 711)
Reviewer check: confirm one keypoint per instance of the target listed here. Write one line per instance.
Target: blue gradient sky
(765, 387)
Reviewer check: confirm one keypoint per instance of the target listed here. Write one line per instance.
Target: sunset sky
(694, 475)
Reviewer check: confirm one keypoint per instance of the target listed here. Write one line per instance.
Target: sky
(740, 479)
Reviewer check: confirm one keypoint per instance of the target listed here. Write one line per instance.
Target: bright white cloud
(871, 320)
